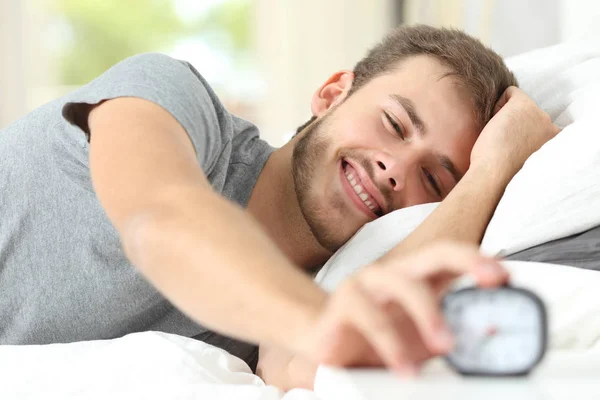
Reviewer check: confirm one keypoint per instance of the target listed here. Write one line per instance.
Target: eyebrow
(409, 107)
(450, 167)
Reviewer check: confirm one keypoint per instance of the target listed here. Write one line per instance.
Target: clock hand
(513, 330)
(490, 332)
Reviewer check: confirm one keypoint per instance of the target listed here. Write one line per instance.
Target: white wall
(580, 20)
(518, 26)
(300, 43)
(13, 88)
(513, 26)
(508, 26)
(27, 77)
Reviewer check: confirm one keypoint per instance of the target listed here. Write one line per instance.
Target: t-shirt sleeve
(172, 84)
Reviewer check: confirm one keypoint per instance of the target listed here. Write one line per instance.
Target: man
(144, 167)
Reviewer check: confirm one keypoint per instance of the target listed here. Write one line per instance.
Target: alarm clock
(499, 331)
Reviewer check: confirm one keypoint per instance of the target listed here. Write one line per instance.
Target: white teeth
(358, 189)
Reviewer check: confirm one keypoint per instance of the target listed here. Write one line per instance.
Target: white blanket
(148, 365)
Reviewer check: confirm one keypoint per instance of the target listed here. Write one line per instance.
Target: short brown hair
(475, 66)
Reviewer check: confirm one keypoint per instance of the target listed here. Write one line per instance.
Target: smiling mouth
(356, 184)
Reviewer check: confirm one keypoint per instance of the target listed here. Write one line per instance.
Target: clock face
(499, 331)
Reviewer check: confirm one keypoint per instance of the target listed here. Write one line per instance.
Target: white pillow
(556, 194)
(371, 242)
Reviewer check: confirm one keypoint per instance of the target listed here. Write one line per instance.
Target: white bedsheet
(148, 365)
(561, 376)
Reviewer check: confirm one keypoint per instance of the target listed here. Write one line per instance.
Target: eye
(394, 125)
(432, 182)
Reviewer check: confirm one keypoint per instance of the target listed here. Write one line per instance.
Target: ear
(332, 92)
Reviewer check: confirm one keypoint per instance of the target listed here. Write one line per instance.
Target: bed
(550, 213)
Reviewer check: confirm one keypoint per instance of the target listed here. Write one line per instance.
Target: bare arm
(190, 243)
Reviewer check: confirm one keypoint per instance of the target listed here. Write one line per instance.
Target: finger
(441, 282)
(376, 326)
(418, 350)
(418, 301)
(504, 97)
(557, 129)
(455, 259)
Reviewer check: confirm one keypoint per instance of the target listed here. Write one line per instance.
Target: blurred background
(264, 58)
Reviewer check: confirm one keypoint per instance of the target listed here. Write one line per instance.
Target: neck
(274, 204)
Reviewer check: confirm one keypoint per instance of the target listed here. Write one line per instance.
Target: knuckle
(425, 297)
(347, 292)
(545, 121)
(351, 287)
(374, 275)
(556, 129)
(381, 323)
(378, 278)
(515, 92)
(370, 272)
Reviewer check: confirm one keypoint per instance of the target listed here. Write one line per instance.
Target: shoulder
(156, 68)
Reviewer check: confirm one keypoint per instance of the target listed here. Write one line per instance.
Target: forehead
(444, 106)
(425, 80)
(431, 86)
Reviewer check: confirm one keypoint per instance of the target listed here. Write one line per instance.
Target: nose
(391, 171)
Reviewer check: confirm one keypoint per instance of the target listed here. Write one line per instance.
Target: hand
(517, 129)
(388, 314)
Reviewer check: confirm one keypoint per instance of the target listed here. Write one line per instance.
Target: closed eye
(432, 182)
(394, 125)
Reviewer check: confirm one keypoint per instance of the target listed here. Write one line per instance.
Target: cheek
(415, 192)
(358, 131)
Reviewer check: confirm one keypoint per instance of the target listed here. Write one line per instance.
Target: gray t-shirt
(63, 274)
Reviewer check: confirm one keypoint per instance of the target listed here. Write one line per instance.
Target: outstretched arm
(191, 243)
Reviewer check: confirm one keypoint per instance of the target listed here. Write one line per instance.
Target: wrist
(493, 173)
(301, 316)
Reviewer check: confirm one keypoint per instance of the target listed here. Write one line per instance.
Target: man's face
(402, 139)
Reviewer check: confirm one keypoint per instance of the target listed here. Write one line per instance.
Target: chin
(332, 230)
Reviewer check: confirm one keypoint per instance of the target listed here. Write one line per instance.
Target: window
(55, 46)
